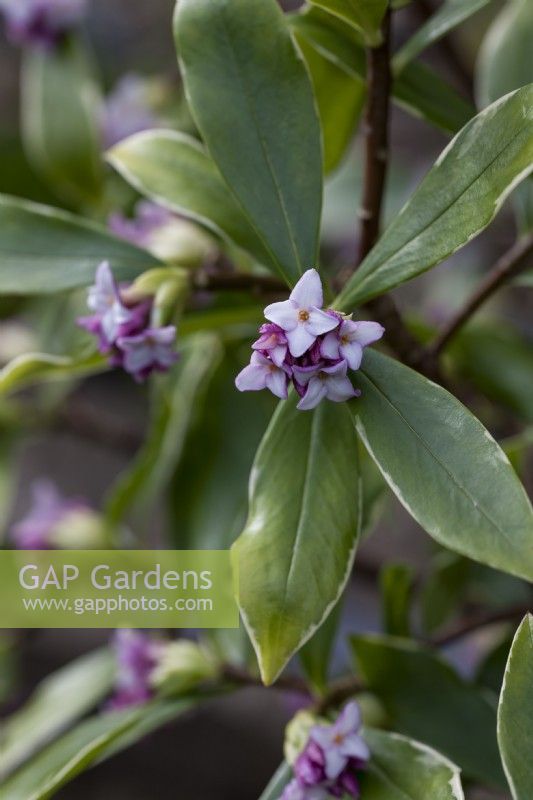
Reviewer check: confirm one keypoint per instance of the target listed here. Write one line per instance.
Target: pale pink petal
(316, 390)
(335, 763)
(304, 374)
(278, 353)
(354, 747)
(339, 369)
(259, 360)
(276, 381)
(284, 314)
(353, 353)
(330, 346)
(349, 720)
(367, 333)
(300, 340)
(308, 290)
(319, 322)
(251, 379)
(339, 389)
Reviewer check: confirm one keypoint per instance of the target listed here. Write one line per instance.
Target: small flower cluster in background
(41, 22)
(328, 765)
(130, 108)
(54, 521)
(312, 347)
(124, 330)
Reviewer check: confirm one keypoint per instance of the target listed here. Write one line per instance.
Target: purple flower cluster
(41, 22)
(308, 345)
(149, 219)
(48, 510)
(137, 655)
(128, 110)
(123, 330)
(330, 761)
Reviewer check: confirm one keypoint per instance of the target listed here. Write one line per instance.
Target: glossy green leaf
(515, 720)
(418, 89)
(174, 170)
(32, 368)
(449, 16)
(453, 466)
(427, 700)
(44, 250)
(59, 700)
(396, 583)
(173, 406)
(60, 125)
(296, 552)
(340, 98)
(279, 781)
(402, 769)
(365, 16)
(456, 200)
(239, 92)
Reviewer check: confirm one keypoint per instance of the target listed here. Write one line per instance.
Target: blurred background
(229, 748)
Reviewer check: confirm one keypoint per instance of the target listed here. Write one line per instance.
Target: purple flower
(137, 655)
(111, 315)
(341, 742)
(148, 351)
(301, 317)
(272, 342)
(40, 22)
(294, 791)
(149, 218)
(128, 110)
(49, 509)
(349, 341)
(316, 382)
(261, 373)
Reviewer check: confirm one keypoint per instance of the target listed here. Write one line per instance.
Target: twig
(511, 264)
(287, 683)
(338, 692)
(215, 281)
(476, 622)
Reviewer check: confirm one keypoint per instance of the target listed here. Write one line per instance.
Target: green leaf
(174, 170)
(315, 655)
(365, 16)
(454, 465)
(515, 720)
(239, 92)
(279, 781)
(173, 406)
(490, 672)
(296, 552)
(340, 98)
(427, 700)
(396, 582)
(60, 127)
(456, 200)
(444, 589)
(59, 700)
(32, 368)
(402, 769)
(7, 671)
(44, 250)
(418, 89)
(449, 16)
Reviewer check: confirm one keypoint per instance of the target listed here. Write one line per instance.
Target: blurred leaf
(58, 701)
(364, 15)
(315, 655)
(505, 64)
(396, 583)
(427, 700)
(418, 89)
(296, 552)
(457, 199)
(454, 466)
(279, 781)
(517, 447)
(500, 363)
(375, 491)
(491, 670)
(239, 93)
(402, 769)
(34, 368)
(7, 675)
(174, 170)
(515, 717)
(44, 250)
(60, 126)
(449, 16)
(175, 396)
(443, 590)
(340, 98)
(209, 495)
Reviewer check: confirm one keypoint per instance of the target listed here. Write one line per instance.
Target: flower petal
(284, 314)
(355, 747)
(276, 381)
(319, 322)
(316, 390)
(251, 379)
(353, 353)
(300, 340)
(349, 720)
(308, 290)
(330, 346)
(367, 333)
(339, 389)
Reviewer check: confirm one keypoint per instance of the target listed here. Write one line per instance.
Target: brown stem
(238, 281)
(287, 683)
(511, 264)
(480, 620)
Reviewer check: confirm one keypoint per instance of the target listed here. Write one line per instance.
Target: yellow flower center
(303, 315)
